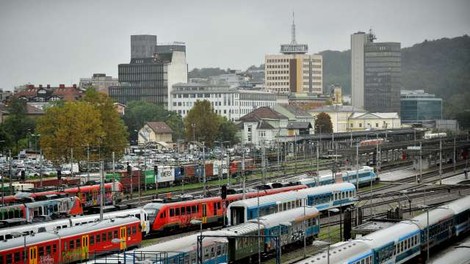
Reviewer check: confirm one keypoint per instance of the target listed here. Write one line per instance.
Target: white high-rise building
(358, 41)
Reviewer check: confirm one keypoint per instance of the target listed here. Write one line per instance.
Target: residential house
(262, 126)
(155, 132)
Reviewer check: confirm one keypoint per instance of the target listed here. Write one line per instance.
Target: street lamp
(18, 234)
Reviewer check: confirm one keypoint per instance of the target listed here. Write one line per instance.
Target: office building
(226, 101)
(294, 71)
(152, 71)
(375, 74)
(418, 107)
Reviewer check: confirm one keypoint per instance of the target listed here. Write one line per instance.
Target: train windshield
(152, 210)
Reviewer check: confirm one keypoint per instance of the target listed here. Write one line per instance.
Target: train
(73, 244)
(238, 244)
(89, 195)
(323, 198)
(434, 135)
(166, 175)
(366, 176)
(166, 217)
(41, 210)
(371, 142)
(405, 241)
(52, 226)
(459, 254)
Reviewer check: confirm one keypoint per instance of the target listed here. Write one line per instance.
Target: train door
(123, 238)
(237, 215)
(85, 246)
(33, 255)
(95, 197)
(204, 213)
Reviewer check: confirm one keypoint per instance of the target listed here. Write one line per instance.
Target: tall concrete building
(294, 71)
(375, 74)
(152, 71)
(143, 46)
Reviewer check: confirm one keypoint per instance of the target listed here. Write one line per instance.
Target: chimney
(40, 86)
(75, 86)
(61, 85)
(48, 86)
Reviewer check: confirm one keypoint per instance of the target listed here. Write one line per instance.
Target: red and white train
(89, 195)
(165, 217)
(73, 244)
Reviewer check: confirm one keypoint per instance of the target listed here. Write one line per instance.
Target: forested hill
(440, 67)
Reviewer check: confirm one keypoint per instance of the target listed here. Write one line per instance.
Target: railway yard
(291, 211)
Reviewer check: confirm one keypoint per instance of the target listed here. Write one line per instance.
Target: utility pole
(263, 161)
(204, 167)
(101, 189)
(454, 154)
(88, 162)
(440, 161)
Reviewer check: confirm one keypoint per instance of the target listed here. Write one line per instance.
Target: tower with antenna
(293, 47)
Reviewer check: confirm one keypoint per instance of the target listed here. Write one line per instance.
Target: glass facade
(144, 81)
(416, 110)
(382, 77)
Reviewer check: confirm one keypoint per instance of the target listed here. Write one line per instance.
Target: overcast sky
(61, 41)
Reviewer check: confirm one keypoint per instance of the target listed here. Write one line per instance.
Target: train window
(17, 256)
(188, 209)
(103, 237)
(8, 259)
(219, 250)
(134, 230)
(98, 239)
(177, 211)
(72, 244)
(77, 243)
(48, 250)
(54, 248)
(110, 236)
(212, 252)
(128, 232)
(183, 210)
(115, 234)
(92, 240)
(172, 212)
(194, 209)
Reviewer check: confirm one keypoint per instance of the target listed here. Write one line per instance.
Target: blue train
(366, 176)
(236, 244)
(404, 241)
(322, 197)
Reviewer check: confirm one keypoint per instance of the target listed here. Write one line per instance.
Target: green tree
(323, 123)
(227, 131)
(202, 123)
(73, 125)
(115, 134)
(18, 124)
(140, 112)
